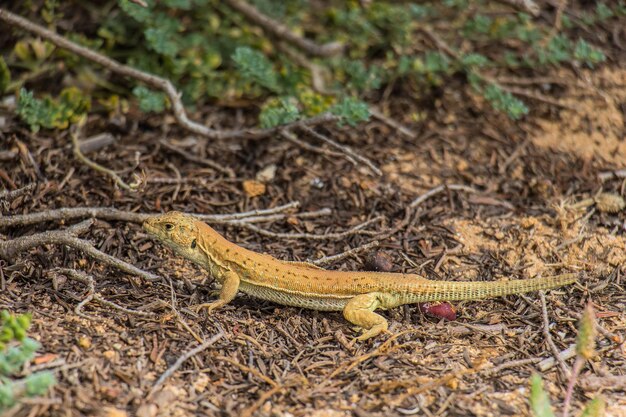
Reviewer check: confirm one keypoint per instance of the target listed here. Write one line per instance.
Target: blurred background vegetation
(215, 55)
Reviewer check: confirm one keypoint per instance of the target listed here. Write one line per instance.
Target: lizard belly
(295, 299)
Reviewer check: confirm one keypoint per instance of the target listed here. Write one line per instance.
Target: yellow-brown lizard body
(299, 284)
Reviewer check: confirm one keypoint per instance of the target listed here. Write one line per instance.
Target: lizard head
(177, 230)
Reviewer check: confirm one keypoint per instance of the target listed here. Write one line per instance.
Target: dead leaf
(254, 188)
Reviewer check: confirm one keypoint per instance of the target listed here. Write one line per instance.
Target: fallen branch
(525, 5)
(9, 248)
(107, 213)
(179, 362)
(157, 82)
(199, 160)
(434, 191)
(356, 230)
(344, 149)
(281, 31)
(8, 196)
(333, 258)
(548, 336)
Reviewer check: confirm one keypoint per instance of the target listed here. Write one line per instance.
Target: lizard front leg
(229, 289)
(360, 311)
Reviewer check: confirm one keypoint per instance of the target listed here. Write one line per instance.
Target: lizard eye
(169, 226)
(193, 244)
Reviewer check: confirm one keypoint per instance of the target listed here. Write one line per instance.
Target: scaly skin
(300, 284)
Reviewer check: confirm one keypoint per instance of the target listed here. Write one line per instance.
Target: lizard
(301, 284)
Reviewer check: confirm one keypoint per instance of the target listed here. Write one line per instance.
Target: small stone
(267, 174)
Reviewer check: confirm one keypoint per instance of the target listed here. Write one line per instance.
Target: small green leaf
(149, 101)
(255, 67)
(539, 401)
(5, 75)
(504, 101)
(586, 340)
(594, 408)
(351, 111)
(39, 382)
(587, 53)
(278, 112)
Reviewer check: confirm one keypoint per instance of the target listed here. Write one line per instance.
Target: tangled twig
(88, 280)
(9, 248)
(78, 153)
(179, 362)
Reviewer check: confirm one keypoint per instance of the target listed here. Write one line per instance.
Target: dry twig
(78, 153)
(88, 280)
(107, 213)
(9, 248)
(193, 158)
(8, 196)
(170, 371)
(526, 5)
(548, 336)
(281, 31)
(154, 81)
(325, 260)
(312, 236)
(434, 191)
(344, 149)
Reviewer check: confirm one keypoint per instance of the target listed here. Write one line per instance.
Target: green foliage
(588, 54)
(279, 111)
(539, 401)
(149, 100)
(210, 52)
(585, 349)
(5, 75)
(351, 111)
(16, 350)
(51, 113)
(505, 102)
(255, 67)
(594, 408)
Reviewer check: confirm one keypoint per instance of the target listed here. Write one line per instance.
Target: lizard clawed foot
(209, 306)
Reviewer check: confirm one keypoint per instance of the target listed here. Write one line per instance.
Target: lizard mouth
(148, 227)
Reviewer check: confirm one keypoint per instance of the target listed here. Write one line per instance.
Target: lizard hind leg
(360, 311)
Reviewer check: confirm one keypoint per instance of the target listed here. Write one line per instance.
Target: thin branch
(10, 248)
(199, 160)
(345, 149)
(281, 31)
(78, 153)
(286, 134)
(548, 336)
(154, 81)
(179, 362)
(393, 123)
(329, 259)
(525, 5)
(356, 230)
(8, 196)
(456, 187)
(107, 213)
(607, 175)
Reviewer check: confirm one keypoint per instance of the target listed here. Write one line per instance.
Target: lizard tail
(454, 291)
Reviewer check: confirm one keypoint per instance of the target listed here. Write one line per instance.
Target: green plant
(49, 112)
(15, 350)
(585, 350)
